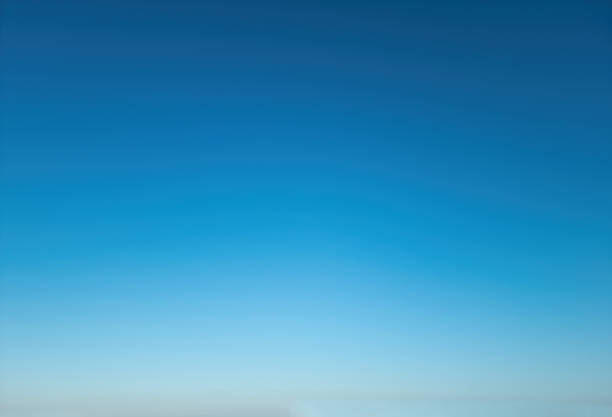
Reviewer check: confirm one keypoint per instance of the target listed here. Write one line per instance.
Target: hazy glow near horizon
(274, 202)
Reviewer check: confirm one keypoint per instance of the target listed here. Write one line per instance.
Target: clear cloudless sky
(293, 198)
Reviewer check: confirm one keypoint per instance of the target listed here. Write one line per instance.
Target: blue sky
(401, 198)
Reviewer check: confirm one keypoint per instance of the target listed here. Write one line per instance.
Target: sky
(304, 199)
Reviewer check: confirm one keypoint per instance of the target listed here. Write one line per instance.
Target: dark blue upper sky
(433, 177)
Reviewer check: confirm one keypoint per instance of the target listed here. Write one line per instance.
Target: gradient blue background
(286, 199)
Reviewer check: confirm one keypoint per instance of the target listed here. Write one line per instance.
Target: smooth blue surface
(452, 408)
(281, 199)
